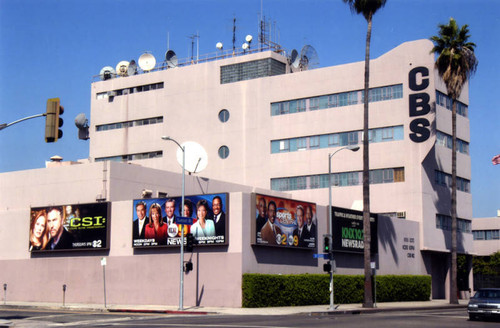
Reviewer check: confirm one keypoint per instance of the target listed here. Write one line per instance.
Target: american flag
(496, 160)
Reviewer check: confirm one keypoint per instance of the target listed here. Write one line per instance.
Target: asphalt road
(455, 318)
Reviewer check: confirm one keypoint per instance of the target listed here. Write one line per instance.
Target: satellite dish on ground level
(132, 68)
(107, 73)
(147, 61)
(171, 58)
(196, 157)
(122, 68)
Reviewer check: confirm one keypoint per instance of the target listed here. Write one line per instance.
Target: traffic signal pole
(6, 125)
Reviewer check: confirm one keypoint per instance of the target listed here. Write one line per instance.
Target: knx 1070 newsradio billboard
(348, 235)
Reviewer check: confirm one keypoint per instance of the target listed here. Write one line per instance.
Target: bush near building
(270, 290)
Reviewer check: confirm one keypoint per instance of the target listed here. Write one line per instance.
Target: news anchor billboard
(69, 227)
(154, 221)
(347, 228)
(284, 222)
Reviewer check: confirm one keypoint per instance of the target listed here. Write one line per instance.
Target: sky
(55, 48)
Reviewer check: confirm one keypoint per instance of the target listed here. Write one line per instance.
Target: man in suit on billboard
(270, 230)
(169, 212)
(262, 218)
(219, 216)
(142, 220)
(301, 232)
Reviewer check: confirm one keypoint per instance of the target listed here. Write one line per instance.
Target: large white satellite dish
(107, 73)
(196, 157)
(122, 68)
(147, 61)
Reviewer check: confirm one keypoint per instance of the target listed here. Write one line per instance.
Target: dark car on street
(485, 304)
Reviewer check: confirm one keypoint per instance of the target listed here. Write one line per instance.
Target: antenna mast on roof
(192, 37)
(234, 35)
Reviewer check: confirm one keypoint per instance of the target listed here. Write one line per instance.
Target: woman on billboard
(39, 236)
(156, 229)
(204, 227)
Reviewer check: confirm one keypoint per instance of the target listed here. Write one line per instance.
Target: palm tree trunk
(453, 278)
(368, 298)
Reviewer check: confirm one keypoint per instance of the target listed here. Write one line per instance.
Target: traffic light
(190, 242)
(188, 266)
(53, 121)
(327, 243)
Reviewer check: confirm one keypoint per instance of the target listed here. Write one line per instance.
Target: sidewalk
(311, 309)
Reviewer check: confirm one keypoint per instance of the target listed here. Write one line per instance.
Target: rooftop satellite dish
(147, 61)
(308, 58)
(248, 38)
(294, 59)
(244, 46)
(132, 68)
(219, 45)
(107, 73)
(122, 68)
(196, 157)
(171, 59)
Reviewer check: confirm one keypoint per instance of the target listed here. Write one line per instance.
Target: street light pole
(330, 225)
(181, 287)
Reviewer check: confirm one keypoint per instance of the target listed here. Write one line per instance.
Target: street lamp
(330, 228)
(181, 287)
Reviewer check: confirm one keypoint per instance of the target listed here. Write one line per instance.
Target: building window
(446, 102)
(128, 124)
(444, 179)
(120, 92)
(338, 179)
(224, 115)
(130, 157)
(443, 222)
(445, 140)
(223, 152)
(336, 139)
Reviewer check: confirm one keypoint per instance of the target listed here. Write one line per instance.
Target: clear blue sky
(53, 48)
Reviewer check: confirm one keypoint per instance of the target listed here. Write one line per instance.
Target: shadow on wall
(442, 198)
(285, 256)
(387, 236)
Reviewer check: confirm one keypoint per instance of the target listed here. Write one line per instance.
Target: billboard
(69, 227)
(154, 220)
(284, 222)
(347, 228)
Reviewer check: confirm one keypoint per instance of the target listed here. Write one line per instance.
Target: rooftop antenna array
(192, 37)
(147, 62)
(234, 35)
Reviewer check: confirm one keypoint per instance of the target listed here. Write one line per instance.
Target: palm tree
(455, 63)
(368, 9)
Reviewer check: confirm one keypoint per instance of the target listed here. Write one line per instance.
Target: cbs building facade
(268, 130)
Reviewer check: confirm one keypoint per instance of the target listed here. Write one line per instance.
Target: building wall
(486, 246)
(152, 276)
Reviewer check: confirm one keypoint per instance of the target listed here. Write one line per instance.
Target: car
(484, 304)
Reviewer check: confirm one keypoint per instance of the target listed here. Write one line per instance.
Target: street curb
(159, 311)
(394, 309)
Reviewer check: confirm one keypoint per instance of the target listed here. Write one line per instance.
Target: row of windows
(445, 101)
(486, 234)
(444, 222)
(130, 157)
(336, 100)
(129, 124)
(126, 91)
(338, 179)
(336, 139)
(444, 179)
(446, 140)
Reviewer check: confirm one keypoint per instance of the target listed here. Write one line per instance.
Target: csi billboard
(154, 221)
(284, 222)
(348, 233)
(69, 227)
